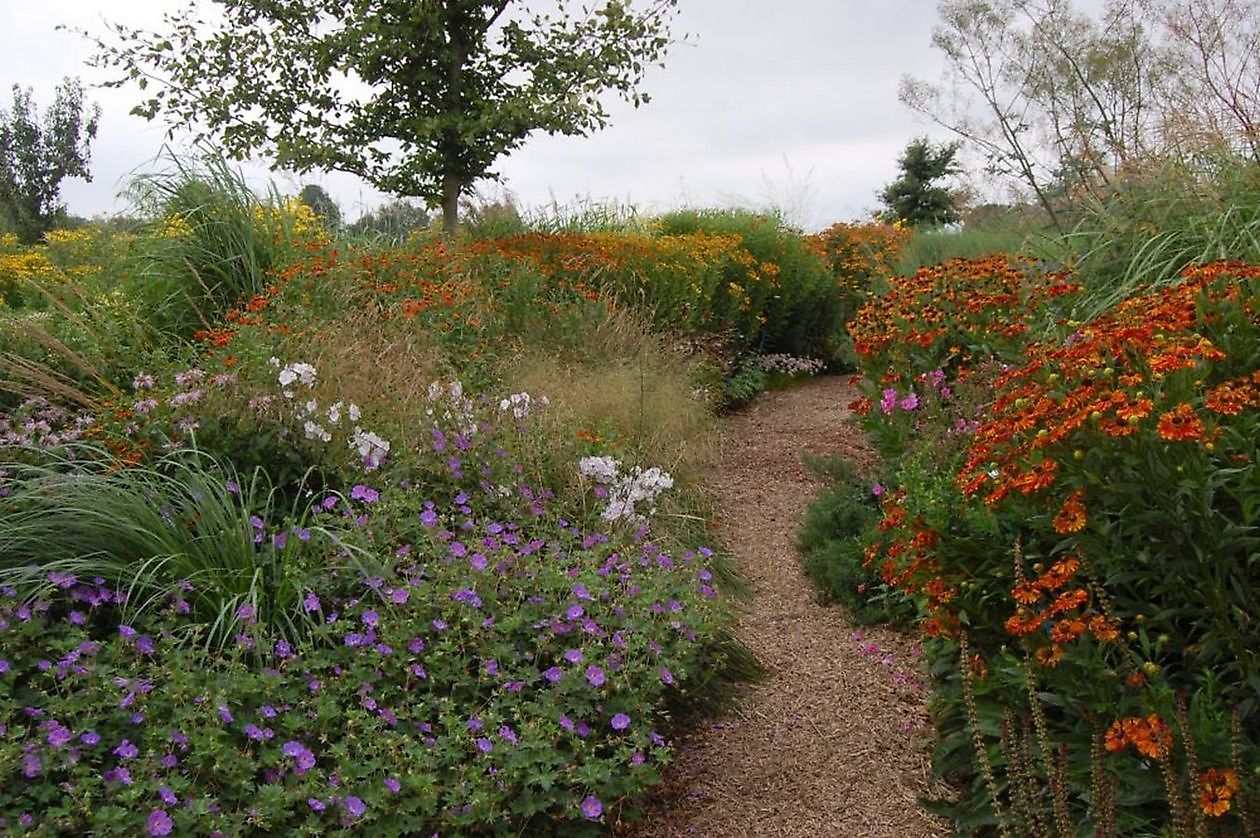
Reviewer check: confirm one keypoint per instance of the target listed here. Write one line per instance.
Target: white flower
(314, 430)
(518, 403)
(311, 406)
(602, 469)
(353, 412)
(626, 491)
(617, 509)
(371, 447)
(334, 413)
(299, 371)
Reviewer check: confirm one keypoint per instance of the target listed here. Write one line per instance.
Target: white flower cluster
(290, 373)
(370, 447)
(519, 404)
(791, 365)
(451, 406)
(626, 491)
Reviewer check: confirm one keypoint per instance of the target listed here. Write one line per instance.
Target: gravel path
(832, 742)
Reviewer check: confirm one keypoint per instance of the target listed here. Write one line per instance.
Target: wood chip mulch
(833, 742)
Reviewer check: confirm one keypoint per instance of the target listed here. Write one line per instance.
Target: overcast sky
(791, 103)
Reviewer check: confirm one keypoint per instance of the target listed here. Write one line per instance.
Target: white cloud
(772, 101)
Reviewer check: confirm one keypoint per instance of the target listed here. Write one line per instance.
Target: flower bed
(1073, 510)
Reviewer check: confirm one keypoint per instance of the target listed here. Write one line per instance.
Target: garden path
(832, 742)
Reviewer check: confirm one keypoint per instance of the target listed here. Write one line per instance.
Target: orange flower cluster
(1098, 380)
(1070, 621)
(858, 252)
(1230, 398)
(1217, 787)
(1151, 736)
(936, 317)
(909, 563)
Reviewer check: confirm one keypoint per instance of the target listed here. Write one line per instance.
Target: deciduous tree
(1062, 102)
(35, 156)
(417, 97)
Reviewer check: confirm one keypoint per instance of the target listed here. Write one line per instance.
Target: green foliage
(147, 530)
(390, 223)
(932, 247)
(1153, 224)
(70, 329)
(211, 244)
(743, 385)
(426, 98)
(831, 544)
(322, 204)
(915, 197)
(35, 158)
(795, 303)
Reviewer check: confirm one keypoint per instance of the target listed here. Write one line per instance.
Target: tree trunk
(452, 187)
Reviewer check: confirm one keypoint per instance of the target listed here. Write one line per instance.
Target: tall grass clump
(1157, 221)
(934, 246)
(183, 529)
(213, 242)
(587, 216)
(66, 326)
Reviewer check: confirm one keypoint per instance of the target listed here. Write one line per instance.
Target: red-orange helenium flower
(1071, 517)
(1216, 790)
(1180, 424)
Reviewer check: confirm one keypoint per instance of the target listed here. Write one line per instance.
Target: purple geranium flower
(592, 808)
(595, 675)
(160, 822)
(620, 721)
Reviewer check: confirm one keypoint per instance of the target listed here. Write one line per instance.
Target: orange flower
(1026, 593)
(1139, 409)
(1153, 739)
(1065, 631)
(1103, 629)
(1069, 600)
(1232, 397)
(1151, 736)
(1059, 574)
(1037, 478)
(1071, 517)
(1115, 739)
(1216, 790)
(1022, 622)
(1049, 655)
(1180, 424)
